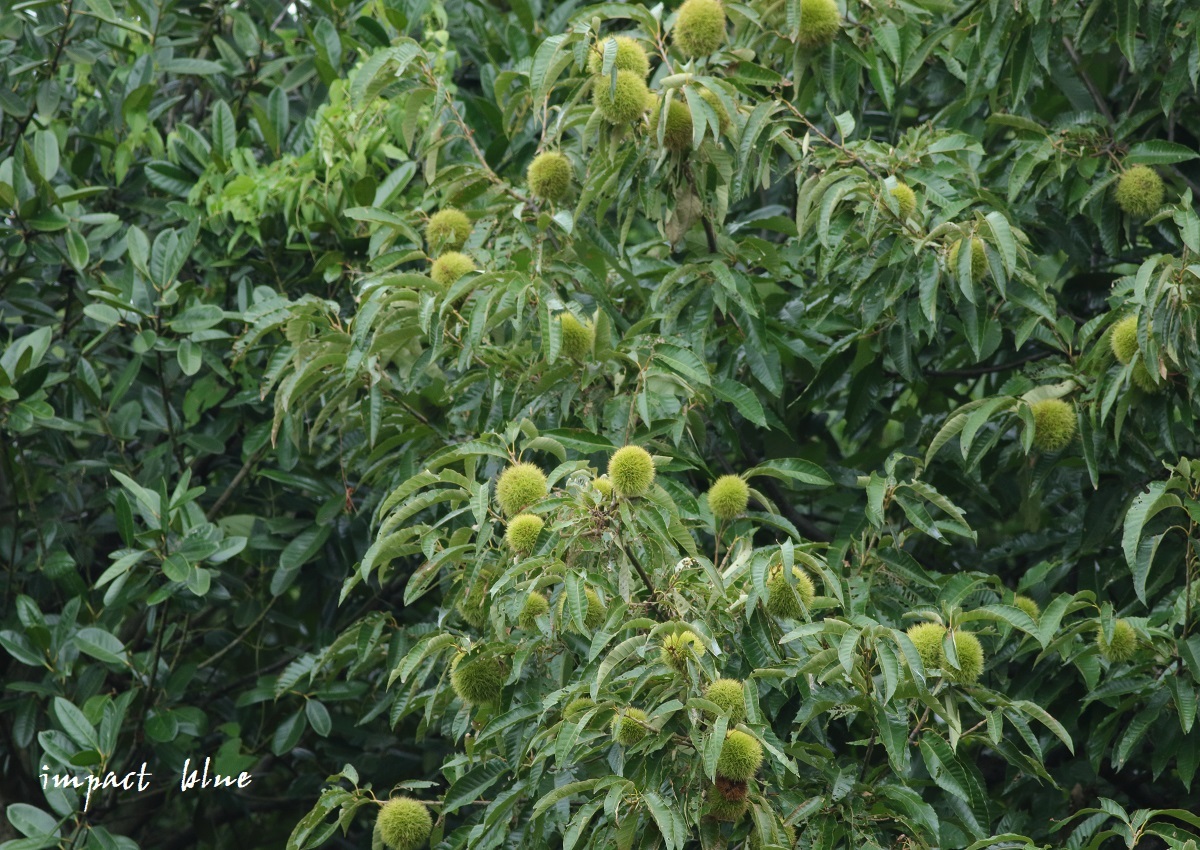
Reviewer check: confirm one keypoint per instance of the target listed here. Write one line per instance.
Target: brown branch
(233, 485)
(709, 234)
(167, 413)
(1087, 81)
(147, 703)
(820, 134)
(23, 123)
(987, 370)
(862, 773)
(469, 135)
(917, 729)
(221, 652)
(641, 571)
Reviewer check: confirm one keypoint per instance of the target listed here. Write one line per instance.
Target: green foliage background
(249, 445)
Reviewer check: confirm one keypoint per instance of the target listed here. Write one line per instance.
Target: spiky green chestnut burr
(741, 756)
(477, 682)
(906, 200)
(448, 228)
(623, 104)
(723, 122)
(1123, 645)
(630, 56)
(472, 605)
(679, 648)
(549, 176)
(1053, 424)
(577, 707)
(1139, 191)
(631, 470)
(677, 134)
(604, 485)
(577, 338)
(1144, 380)
(535, 606)
(979, 263)
(403, 824)
(927, 638)
(520, 486)
(730, 695)
(728, 497)
(782, 602)
(522, 532)
(629, 727)
(450, 266)
(1123, 341)
(1029, 606)
(596, 612)
(721, 808)
(970, 659)
(699, 28)
(820, 21)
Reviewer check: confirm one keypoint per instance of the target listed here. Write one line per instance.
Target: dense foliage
(773, 426)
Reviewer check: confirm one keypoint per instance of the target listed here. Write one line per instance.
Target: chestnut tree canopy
(764, 424)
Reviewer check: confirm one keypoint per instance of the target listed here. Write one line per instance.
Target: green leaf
(186, 65)
(190, 357)
(45, 153)
(224, 131)
(318, 717)
(1159, 152)
(75, 723)
(1189, 651)
(77, 250)
(893, 732)
(472, 784)
(30, 821)
(793, 469)
(287, 734)
(1042, 716)
(670, 822)
(562, 793)
(100, 644)
(617, 655)
(1145, 507)
(944, 768)
(742, 398)
(299, 551)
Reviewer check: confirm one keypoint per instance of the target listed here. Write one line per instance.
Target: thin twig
(709, 233)
(147, 703)
(821, 135)
(1087, 81)
(641, 571)
(233, 485)
(217, 657)
(169, 415)
(469, 135)
(862, 773)
(987, 370)
(23, 123)
(916, 729)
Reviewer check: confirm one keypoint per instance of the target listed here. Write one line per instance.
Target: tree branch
(233, 485)
(1087, 81)
(987, 370)
(23, 123)
(641, 571)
